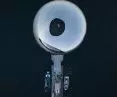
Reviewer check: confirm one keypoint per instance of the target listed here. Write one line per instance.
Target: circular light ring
(75, 26)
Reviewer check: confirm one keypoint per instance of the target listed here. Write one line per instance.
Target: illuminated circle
(69, 29)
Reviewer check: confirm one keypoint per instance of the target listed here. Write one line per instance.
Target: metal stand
(57, 76)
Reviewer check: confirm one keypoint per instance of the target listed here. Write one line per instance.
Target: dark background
(23, 62)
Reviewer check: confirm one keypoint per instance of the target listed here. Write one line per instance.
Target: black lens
(57, 27)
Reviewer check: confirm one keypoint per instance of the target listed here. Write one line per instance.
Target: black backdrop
(23, 62)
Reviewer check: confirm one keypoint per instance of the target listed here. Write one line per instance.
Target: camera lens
(57, 27)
